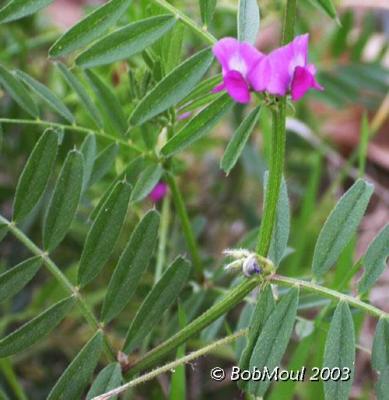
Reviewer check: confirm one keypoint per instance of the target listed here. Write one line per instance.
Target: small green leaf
(159, 299)
(51, 100)
(36, 173)
(18, 92)
(280, 236)
(263, 309)
(146, 182)
(380, 351)
(78, 374)
(90, 28)
(273, 340)
(126, 42)
(382, 386)
(339, 352)
(88, 150)
(103, 234)
(198, 126)
(328, 7)
(243, 323)
(36, 329)
(109, 378)
(340, 226)
(173, 88)
(172, 47)
(130, 174)
(14, 279)
(3, 230)
(131, 266)
(75, 83)
(374, 260)
(248, 21)
(103, 163)
(109, 103)
(16, 9)
(64, 201)
(207, 9)
(239, 140)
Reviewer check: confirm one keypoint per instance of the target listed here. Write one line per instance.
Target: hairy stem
(235, 296)
(62, 280)
(74, 128)
(186, 226)
(172, 365)
(201, 31)
(329, 293)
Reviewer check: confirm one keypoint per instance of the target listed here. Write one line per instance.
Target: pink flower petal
(237, 87)
(224, 49)
(259, 77)
(303, 80)
(219, 88)
(159, 192)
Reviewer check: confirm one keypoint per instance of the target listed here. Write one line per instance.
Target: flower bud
(251, 266)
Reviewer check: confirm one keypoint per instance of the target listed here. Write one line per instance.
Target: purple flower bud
(251, 266)
(159, 192)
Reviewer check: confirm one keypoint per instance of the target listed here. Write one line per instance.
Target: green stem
(277, 152)
(62, 280)
(201, 31)
(163, 232)
(172, 365)
(329, 293)
(235, 296)
(276, 168)
(74, 128)
(186, 225)
(12, 380)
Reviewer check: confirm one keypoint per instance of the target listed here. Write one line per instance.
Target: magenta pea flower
(287, 70)
(237, 60)
(159, 192)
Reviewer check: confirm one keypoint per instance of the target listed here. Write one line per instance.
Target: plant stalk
(62, 280)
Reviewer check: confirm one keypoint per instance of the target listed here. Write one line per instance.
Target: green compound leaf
(14, 279)
(263, 309)
(104, 233)
(130, 174)
(75, 83)
(90, 28)
(109, 103)
(131, 266)
(36, 329)
(280, 236)
(78, 374)
(36, 173)
(239, 140)
(173, 88)
(273, 340)
(109, 378)
(380, 351)
(328, 7)
(161, 297)
(51, 100)
(103, 163)
(18, 92)
(339, 352)
(17, 9)
(374, 260)
(207, 10)
(126, 42)
(248, 21)
(88, 150)
(382, 387)
(198, 126)
(340, 226)
(64, 201)
(146, 182)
